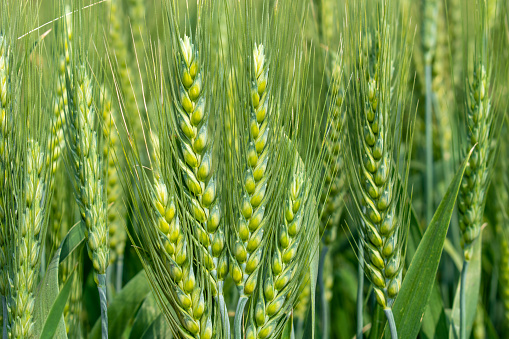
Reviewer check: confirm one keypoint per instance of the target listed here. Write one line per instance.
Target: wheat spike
(475, 180)
(283, 266)
(111, 148)
(195, 158)
(377, 192)
(25, 264)
(332, 199)
(85, 158)
(252, 221)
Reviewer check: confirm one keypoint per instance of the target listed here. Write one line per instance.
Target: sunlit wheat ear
(283, 270)
(25, 264)
(5, 103)
(332, 198)
(196, 157)
(475, 180)
(175, 249)
(252, 223)
(85, 160)
(115, 201)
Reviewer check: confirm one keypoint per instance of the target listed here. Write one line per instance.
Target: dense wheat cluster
(254, 169)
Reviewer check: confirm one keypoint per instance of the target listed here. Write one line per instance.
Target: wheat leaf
(414, 296)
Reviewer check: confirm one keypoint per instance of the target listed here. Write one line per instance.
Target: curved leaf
(48, 292)
(124, 307)
(57, 309)
(148, 313)
(74, 238)
(418, 283)
(158, 329)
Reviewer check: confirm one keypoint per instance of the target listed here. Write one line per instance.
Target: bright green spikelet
(252, 220)
(332, 198)
(25, 264)
(166, 219)
(475, 180)
(85, 157)
(196, 157)
(186, 289)
(111, 148)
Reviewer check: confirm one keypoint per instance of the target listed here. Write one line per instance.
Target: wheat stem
(120, 271)
(392, 323)
(101, 285)
(237, 322)
(463, 286)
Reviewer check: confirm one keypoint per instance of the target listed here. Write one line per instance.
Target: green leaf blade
(416, 289)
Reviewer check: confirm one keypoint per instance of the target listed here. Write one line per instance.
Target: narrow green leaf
(49, 288)
(434, 322)
(472, 291)
(159, 328)
(124, 307)
(418, 283)
(148, 313)
(287, 331)
(74, 238)
(57, 309)
(309, 331)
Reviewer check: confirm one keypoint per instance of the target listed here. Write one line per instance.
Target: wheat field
(254, 169)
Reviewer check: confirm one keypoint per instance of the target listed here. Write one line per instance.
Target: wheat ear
(332, 199)
(475, 180)
(187, 290)
(85, 161)
(283, 266)
(247, 250)
(111, 148)
(195, 159)
(27, 239)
